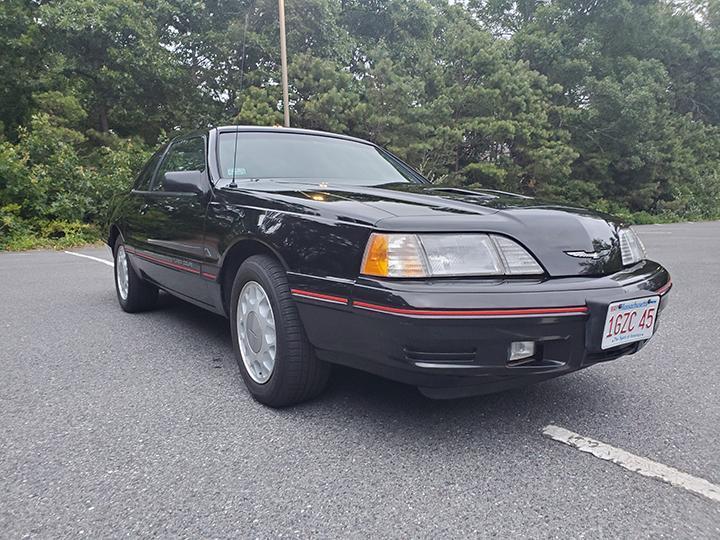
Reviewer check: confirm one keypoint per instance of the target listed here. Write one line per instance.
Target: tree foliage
(609, 103)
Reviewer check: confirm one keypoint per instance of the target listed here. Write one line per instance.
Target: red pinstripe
(163, 262)
(510, 312)
(319, 296)
(665, 288)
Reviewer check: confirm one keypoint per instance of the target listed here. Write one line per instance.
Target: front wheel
(275, 358)
(134, 293)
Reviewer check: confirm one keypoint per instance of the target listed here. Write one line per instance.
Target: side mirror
(184, 182)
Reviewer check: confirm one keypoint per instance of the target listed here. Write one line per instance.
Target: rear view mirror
(184, 182)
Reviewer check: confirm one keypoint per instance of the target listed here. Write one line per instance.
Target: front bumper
(451, 337)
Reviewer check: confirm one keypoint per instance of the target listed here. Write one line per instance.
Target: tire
(295, 374)
(139, 295)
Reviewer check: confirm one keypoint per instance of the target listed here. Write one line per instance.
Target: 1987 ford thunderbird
(325, 249)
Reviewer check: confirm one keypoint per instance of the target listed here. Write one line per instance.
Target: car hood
(549, 231)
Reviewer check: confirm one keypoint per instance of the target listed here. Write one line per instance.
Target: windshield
(315, 157)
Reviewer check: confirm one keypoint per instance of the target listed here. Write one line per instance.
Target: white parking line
(631, 462)
(109, 263)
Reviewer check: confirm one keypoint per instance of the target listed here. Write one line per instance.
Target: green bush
(17, 233)
(47, 235)
(55, 185)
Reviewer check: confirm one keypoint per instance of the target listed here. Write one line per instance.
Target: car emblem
(589, 254)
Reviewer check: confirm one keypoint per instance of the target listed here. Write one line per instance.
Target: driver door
(170, 224)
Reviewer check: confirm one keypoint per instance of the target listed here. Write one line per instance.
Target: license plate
(629, 321)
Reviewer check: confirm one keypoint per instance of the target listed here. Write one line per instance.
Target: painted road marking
(90, 257)
(631, 462)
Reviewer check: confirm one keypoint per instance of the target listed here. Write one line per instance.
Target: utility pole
(283, 62)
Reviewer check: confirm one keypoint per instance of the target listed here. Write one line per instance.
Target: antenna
(242, 73)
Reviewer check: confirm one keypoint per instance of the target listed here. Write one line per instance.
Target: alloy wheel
(121, 272)
(256, 332)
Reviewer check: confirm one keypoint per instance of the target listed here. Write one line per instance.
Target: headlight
(438, 255)
(631, 247)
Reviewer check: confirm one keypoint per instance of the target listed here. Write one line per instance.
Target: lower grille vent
(448, 357)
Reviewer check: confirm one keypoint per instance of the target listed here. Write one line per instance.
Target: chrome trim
(325, 278)
(432, 365)
(327, 300)
(589, 254)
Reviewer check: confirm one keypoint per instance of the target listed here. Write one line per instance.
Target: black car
(324, 249)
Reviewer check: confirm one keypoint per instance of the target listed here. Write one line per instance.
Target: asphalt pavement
(135, 425)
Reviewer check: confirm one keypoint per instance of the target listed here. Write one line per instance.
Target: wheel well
(113, 235)
(237, 255)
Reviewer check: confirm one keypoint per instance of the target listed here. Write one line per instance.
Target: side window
(185, 155)
(142, 183)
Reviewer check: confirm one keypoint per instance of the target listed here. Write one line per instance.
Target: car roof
(299, 131)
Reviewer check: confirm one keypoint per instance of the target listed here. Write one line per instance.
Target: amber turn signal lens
(375, 262)
(394, 256)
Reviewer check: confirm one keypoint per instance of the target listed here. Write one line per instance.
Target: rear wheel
(134, 293)
(276, 360)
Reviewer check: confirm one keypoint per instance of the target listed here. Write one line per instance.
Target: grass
(50, 235)
(25, 243)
